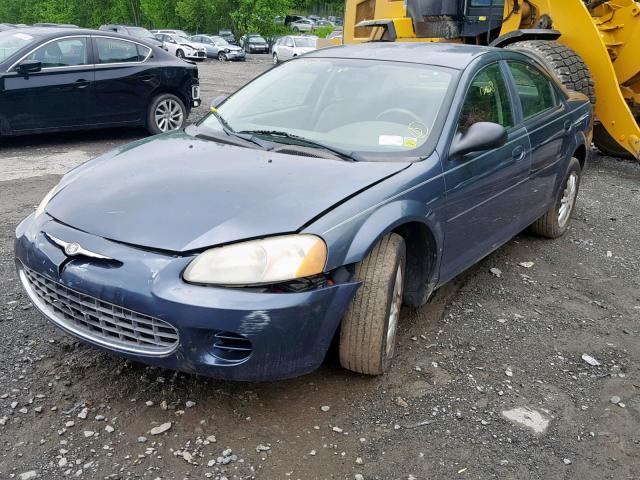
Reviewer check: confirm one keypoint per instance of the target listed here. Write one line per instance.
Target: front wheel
(555, 222)
(180, 54)
(368, 331)
(275, 58)
(166, 113)
(222, 57)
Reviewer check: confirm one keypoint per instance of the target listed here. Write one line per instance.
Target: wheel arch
(525, 34)
(416, 224)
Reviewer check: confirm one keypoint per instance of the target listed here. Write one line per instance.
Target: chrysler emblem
(71, 249)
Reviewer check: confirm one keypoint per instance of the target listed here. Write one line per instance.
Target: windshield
(355, 105)
(220, 41)
(11, 42)
(304, 42)
(180, 39)
(257, 40)
(140, 32)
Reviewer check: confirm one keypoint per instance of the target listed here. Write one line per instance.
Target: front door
(485, 190)
(58, 96)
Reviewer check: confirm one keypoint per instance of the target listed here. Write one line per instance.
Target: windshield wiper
(307, 142)
(228, 129)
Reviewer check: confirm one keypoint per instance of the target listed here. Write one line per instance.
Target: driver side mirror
(479, 137)
(29, 66)
(216, 102)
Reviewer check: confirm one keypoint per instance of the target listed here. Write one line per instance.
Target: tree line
(197, 16)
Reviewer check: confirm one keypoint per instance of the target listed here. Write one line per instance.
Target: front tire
(275, 58)
(368, 330)
(555, 222)
(222, 57)
(166, 112)
(180, 54)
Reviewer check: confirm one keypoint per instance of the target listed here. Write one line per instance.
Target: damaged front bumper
(134, 303)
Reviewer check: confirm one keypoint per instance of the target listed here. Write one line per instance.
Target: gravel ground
(491, 378)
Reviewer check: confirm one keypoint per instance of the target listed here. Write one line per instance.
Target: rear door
(60, 95)
(548, 122)
(124, 80)
(485, 190)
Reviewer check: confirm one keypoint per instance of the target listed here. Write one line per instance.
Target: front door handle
(82, 83)
(518, 153)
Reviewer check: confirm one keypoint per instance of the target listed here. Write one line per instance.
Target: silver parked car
(291, 46)
(218, 47)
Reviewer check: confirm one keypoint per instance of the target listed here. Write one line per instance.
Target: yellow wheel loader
(593, 46)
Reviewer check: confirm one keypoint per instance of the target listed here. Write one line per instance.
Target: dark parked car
(133, 31)
(56, 79)
(310, 204)
(254, 43)
(228, 36)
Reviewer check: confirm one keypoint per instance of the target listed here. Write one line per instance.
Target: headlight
(45, 201)
(270, 260)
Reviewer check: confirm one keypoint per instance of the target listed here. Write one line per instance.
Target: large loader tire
(574, 74)
(566, 64)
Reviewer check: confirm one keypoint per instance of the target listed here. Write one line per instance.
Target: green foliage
(322, 32)
(206, 16)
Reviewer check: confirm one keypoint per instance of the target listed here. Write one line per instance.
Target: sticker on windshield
(410, 142)
(419, 129)
(393, 140)
(23, 36)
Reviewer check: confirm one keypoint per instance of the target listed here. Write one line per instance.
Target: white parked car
(292, 46)
(303, 25)
(182, 47)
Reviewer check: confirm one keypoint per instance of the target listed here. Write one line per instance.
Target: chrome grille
(98, 321)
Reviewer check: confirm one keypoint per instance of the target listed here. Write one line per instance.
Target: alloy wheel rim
(222, 57)
(275, 58)
(180, 54)
(394, 311)
(568, 199)
(168, 115)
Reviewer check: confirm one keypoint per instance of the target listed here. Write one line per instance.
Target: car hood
(178, 193)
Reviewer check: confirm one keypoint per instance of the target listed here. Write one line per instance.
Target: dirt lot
(488, 344)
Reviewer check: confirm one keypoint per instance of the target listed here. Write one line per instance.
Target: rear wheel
(166, 113)
(555, 222)
(368, 330)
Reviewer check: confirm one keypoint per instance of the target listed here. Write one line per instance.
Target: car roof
(428, 53)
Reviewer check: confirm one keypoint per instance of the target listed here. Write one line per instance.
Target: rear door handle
(518, 153)
(82, 83)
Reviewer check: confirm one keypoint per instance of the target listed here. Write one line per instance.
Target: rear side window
(487, 100)
(111, 50)
(535, 90)
(67, 52)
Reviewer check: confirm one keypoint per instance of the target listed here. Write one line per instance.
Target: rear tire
(555, 222)
(166, 113)
(368, 330)
(607, 145)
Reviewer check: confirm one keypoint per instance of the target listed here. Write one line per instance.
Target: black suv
(133, 31)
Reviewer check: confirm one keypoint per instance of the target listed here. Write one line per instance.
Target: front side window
(487, 100)
(111, 50)
(66, 52)
(358, 105)
(535, 90)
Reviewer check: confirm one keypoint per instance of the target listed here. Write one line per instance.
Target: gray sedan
(218, 47)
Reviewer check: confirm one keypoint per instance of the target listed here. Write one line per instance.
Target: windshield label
(410, 142)
(394, 140)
